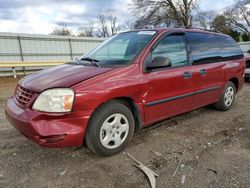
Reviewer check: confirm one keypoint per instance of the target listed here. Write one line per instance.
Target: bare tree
(204, 19)
(62, 30)
(104, 27)
(239, 16)
(128, 25)
(112, 22)
(87, 31)
(109, 23)
(244, 11)
(168, 12)
(90, 30)
(234, 21)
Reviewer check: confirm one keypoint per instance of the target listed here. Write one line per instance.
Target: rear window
(209, 48)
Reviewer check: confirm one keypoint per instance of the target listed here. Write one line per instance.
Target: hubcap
(229, 96)
(114, 131)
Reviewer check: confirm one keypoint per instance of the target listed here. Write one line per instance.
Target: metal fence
(25, 47)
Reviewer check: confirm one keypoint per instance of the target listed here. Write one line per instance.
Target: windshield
(121, 49)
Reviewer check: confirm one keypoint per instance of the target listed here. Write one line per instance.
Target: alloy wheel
(229, 96)
(114, 131)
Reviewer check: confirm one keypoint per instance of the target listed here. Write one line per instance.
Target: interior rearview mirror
(159, 62)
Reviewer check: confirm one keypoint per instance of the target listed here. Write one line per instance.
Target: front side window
(122, 48)
(172, 47)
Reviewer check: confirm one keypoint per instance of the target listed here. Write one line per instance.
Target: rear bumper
(46, 129)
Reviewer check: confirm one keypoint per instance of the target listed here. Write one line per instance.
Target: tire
(110, 129)
(227, 98)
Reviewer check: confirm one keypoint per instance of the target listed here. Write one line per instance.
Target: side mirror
(159, 62)
(248, 51)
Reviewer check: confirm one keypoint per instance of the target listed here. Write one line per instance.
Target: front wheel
(227, 98)
(110, 128)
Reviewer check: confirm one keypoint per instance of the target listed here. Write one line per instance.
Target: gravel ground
(217, 153)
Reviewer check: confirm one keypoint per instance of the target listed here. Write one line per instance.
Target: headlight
(55, 100)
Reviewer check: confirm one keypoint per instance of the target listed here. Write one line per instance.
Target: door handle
(187, 75)
(203, 72)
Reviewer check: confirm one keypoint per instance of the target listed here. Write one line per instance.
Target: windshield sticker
(146, 33)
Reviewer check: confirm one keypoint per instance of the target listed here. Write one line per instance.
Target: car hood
(61, 76)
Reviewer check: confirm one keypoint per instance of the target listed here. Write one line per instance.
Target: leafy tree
(222, 24)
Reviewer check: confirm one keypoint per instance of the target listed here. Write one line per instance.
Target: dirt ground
(217, 153)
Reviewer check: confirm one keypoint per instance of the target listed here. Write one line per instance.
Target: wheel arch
(235, 81)
(130, 103)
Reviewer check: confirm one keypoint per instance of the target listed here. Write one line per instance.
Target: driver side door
(170, 89)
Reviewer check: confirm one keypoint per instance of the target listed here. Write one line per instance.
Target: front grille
(23, 95)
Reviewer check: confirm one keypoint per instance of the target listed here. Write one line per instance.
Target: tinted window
(174, 48)
(208, 48)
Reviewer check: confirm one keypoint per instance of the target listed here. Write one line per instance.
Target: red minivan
(130, 81)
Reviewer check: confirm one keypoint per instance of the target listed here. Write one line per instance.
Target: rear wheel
(110, 129)
(227, 98)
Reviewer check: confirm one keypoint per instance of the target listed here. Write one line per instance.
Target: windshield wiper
(91, 60)
(76, 61)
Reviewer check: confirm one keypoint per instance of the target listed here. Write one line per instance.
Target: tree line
(233, 20)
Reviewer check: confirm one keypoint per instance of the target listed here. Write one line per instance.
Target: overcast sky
(42, 16)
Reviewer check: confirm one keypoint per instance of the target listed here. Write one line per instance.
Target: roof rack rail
(200, 28)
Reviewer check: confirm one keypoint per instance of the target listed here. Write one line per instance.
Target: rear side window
(209, 48)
